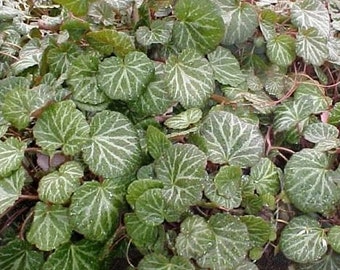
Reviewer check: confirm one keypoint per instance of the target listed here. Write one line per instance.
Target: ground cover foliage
(188, 134)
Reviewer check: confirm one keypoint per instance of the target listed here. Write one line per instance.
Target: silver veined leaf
(232, 141)
(102, 12)
(77, 7)
(93, 209)
(311, 13)
(333, 238)
(199, 25)
(61, 125)
(259, 230)
(276, 83)
(329, 261)
(281, 50)
(318, 132)
(113, 148)
(184, 119)
(120, 4)
(210, 191)
(246, 265)
(10, 189)
(50, 227)
(195, 237)
(125, 79)
(254, 83)
(311, 46)
(190, 78)
(268, 20)
(57, 187)
(11, 155)
(157, 142)
(265, 176)
(18, 254)
(226, 67)
(79, 256)
(160, 32)
(309, 183)
(181, 168)
(303, 240)
(156, 261)
(231, 243)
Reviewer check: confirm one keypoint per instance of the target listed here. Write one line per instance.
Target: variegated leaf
(158, 261)
(318, 132)
(329, 261)
(160, 32)
(281, 50)
(11, 155)
(184, 119)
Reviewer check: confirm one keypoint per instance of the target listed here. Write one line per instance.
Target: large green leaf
(126, 78)
(10, 189)
(190, 78)
(329, 261)
(232, 141)
(160, 32)
(184, 119)
(93, 209)
(230, 245)
(155, 261)
(199, 25)
(281, 50)
(78, 7)
(11, 155)
(259, 230)
(226, 67)
(310, 183)
(50, 227)
(157, 142)
(113, 149)
(61, 125)
(80, 256)
(57, 187)
(18, 255)
(303, 240)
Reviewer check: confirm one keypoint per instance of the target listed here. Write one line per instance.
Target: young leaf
(281, 50)
(93, 209)
(302, 240)
(113, 149)
(184, 119)
(333, 238)
(11, 155)
(159, 32)
(190, 78)
(50, 227)
(231, 141)
(309, 183)
(10, 189)
(61, 125)
(77, 7)
(159, 261)
(18, 255)
(157, 142)
(199, 25)
(258, 229)
(57, 187)
(80, 256)
(126, 78)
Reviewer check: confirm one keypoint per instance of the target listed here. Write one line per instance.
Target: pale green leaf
(232, 141)
(319, 132)
(184, 119)
(18, 255)
(309, 183)
(11, 155)
(329, 261)
(93, 209)
(102, 12)
(246, 265)
(281, 50)
(57, 187)
(50, 227)
(10, 189)
(303, 240)
(113, 149)
(125, 79)
(190, 78)
(155, 261)
(333, 238)
(77, 7)
(61, 125)
(199, 25)
(160, 32)
(258, 229)
(157, 142)
(226, 67)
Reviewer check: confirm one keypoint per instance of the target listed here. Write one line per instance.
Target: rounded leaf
(329, 261)
(258, 229)
(155, 261)
(318, 132)
(156, 141)
(160, 32)
(333, 238)
(184, 119)
(281, 50)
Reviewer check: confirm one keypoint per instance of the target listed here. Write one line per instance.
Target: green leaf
(80, 256)
(195, 237)
(10, 189)
(155, 261)
(184, 119)
(333, 238)
(108, 41)
(281, 50)
(231, 141)
(57, 187)
(258, 229)
(126, 78)
(303, 240)
(311, 46)
(18, 255)
(75, 28)
(318, 132)
(190, 78)
(334, 116)
(50, 227)
(311, 13)
(11, 155)
(199, 25)
(157, 142)
(113, 149)
(160, 32)
(77, 7)
(226, 67)
(309, 182)
(329, 261)
(230, 245)
(265, 176)
(93, 209)
(181, 168)
(246, 265)
(61, 125)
